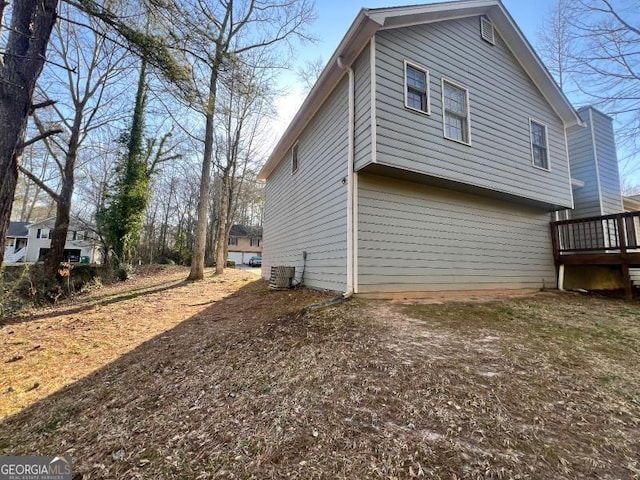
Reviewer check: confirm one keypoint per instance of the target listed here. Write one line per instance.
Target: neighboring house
(16, 244)
(81, 243)
(430, 155)
(244, 243)
(631, 203)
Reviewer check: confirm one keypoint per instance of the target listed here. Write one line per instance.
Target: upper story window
(416, 88)
(539, 150)
(294, 158)
(455, 112)
(43, 233)
(233, 241)
(255, 242)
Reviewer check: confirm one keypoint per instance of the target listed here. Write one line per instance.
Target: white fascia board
(368, 22)
(395, 17)
(530, 61)
(357, 37)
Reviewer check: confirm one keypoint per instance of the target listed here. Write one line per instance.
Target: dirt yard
(158, 378)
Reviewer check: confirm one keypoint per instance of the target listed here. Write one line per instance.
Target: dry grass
(541, 387)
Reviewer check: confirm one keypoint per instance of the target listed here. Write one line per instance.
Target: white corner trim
(595, 159)
(568, 159)
(373, 100)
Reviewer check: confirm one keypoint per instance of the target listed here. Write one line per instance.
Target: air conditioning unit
(281, 277)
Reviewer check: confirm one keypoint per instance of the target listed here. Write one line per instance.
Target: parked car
(255, 262)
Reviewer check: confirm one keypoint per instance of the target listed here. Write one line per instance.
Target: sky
(333, 20)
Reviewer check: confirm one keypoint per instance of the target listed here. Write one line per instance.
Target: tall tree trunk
(221, 250)
(22, 62)
(63, 200)
(200, 241)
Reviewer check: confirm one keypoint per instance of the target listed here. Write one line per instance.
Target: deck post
(622, 241)
(626, 277)
(555, 242)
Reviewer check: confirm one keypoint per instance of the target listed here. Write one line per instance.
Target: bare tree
(90, 65)
(216, 33)
(20, 65)
(594, 45)
(22, 56)
(247, 98)
(310, 71)
(609, 65)
(556, 42)
(30, 201)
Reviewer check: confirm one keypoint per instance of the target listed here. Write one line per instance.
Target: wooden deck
(606, 240)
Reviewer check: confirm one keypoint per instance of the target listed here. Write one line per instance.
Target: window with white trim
(255, 242)
(455, 112)
(233, 241)
(539, 151)
(294, 158)
(416, 88)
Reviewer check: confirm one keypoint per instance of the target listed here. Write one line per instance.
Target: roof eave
(360, 32)
(368, 22)
(533, 65)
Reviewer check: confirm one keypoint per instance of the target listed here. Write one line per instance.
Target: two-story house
(30, 242)
(430, 155)
(244, 243)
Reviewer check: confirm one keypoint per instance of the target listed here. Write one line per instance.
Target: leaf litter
(226, 379)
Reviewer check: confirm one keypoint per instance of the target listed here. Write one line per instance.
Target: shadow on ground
(113, 420)
(92, 302)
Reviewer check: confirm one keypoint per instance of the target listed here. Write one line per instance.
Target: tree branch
(44, 104)
(39, 183)
(42, 136)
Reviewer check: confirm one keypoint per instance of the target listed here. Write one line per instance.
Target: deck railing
(615, 233)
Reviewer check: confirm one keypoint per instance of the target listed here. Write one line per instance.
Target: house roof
(244, 231)
(18, 229)
(74, 223)
(369, 21)
(631, 203)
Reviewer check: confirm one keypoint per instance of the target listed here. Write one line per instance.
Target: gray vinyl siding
(413, 237)
(362, 77)
(593, 158)
(502, 99)
(586, 198)
(307, 210)
(607, 163)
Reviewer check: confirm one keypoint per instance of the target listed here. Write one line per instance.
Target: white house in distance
(30, 242)
(431, 155)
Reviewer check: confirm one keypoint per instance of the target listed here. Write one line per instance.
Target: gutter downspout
(350, 183)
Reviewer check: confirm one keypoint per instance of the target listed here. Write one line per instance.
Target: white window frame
(444, 112)
(295, 158)
(254, 242)
(424, 70)
(546, 141)
(232, 241)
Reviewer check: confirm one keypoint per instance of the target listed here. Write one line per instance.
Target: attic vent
(486, 30)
